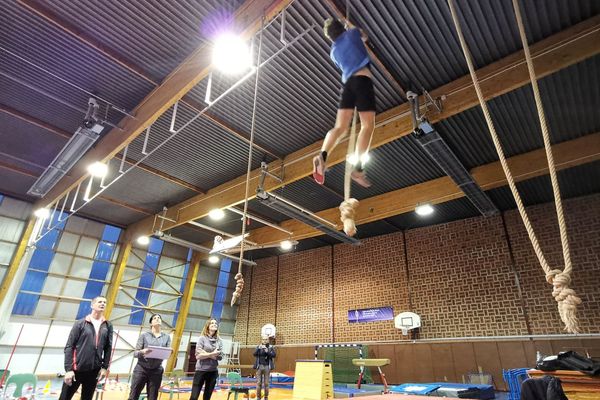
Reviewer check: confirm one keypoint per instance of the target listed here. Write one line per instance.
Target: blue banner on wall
(371, 314)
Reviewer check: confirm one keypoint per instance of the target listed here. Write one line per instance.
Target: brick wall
(304, 297)
(461, 280)
(583, 221)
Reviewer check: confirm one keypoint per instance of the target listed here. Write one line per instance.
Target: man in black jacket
(87, 352)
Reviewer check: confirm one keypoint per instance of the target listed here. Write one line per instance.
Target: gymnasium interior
(145, 164)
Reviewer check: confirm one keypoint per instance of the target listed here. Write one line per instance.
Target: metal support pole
(184, 309)
(117, 277)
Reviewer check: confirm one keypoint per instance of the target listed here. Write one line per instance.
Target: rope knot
(239, 286)
(566, 298)
(550, 275)
(347, 212)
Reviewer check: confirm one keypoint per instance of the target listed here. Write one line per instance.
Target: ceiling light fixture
(286, 245)
(42, 213)
(213, 259)
(424, 209)
(216, 214)
(231, 54)
(143, 240)
(98, 169)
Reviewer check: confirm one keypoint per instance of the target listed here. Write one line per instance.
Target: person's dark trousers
(208, 379)
(141, 377)
(87, 380)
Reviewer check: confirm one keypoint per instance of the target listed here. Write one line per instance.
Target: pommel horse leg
(385, 385)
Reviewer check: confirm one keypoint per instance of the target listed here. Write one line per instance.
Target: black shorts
(358, 92)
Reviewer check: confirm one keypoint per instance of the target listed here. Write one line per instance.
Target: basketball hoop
(406, 321)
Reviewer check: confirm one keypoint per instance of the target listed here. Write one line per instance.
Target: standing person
(209, 351)
(87, 352)
(349, 54)
(264, 353)
(149, 371)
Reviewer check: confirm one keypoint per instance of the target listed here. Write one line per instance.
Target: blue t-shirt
(348, 52)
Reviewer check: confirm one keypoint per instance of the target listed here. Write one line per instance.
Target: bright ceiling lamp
(213, 259)
(286, 245)
(98, 169)
(42, 213)
(424, 210)
(216, 214)
(143, 240)
(353, 158)
(231, 54)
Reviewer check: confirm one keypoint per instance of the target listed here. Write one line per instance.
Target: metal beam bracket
(415, 108)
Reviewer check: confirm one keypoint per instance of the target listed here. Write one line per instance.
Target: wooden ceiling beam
(183, 78)
(552, 54)
(567, 154)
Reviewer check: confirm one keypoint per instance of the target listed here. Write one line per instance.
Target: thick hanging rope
(566, 297)
(239, 277)
(349, 205)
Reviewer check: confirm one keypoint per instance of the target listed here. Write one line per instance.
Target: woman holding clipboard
(149, 371)
(209, 351)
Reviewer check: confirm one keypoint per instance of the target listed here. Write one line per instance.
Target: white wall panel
(6, 252)
(204, 292)
(15, 209)
(61, 263)
(11, 229)
(81, 267)
(87, 247)
(68, 243)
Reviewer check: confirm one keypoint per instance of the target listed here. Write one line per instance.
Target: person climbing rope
(350, 55)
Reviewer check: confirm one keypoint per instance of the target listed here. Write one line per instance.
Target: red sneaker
(319, 169)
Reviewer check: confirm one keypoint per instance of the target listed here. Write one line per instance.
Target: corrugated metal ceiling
(297, 94)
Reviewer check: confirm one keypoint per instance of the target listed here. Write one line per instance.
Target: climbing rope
(349, 205)
(239, 277)
(566, 297)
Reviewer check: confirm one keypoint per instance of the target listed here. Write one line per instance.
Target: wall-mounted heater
(85, 136)
(296, 212)
(438, 150)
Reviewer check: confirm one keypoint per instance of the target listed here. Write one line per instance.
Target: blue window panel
(1, 198)
(34, 281)
(111, 234)
(48, 241)
(220, 294)
(151, 261)
(92, 289)
(146, 279)
(105, 251)
(226, 265)
(217, 311)
(156, 246)
(85, 307)
(186, 270)
(99, 270)
(41, 259)
(137, 316)
(223, 279)
(25, 304)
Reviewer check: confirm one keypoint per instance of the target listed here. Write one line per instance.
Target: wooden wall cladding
(444, 361)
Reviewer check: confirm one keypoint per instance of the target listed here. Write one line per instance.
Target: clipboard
(162, 353)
